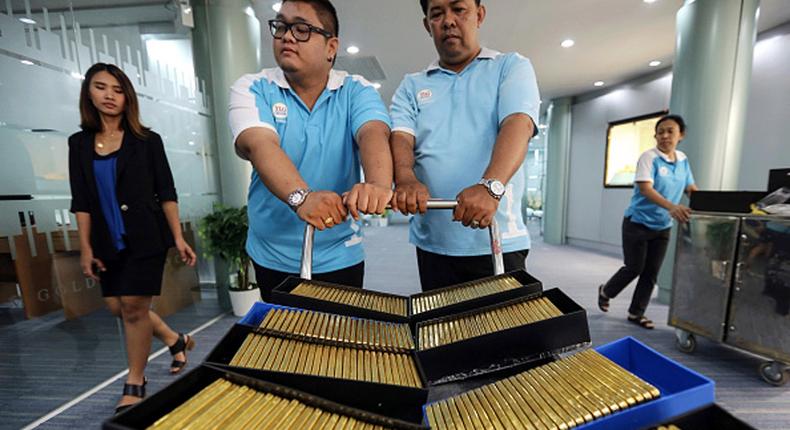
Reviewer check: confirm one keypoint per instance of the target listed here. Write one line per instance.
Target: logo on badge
(663, 171)
(424, 96)
(280, 111)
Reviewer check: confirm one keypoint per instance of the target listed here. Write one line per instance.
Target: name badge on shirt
(424, 96)
(280, 112)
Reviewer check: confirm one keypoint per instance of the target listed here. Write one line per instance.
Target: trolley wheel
(688, 345)
(774, 373)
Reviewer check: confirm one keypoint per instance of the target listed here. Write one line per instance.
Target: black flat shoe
(603, 301)
(134, 391)
(183, 344)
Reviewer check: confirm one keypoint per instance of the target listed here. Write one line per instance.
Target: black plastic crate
(711, 417)
(396, 401)
(530, 287)
(281, 295)
(506, 348)
(158, 405)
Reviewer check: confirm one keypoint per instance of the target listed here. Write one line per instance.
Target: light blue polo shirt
(321, 144)
(455, 118)
(670, 179)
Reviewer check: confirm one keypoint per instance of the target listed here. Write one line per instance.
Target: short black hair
(326, 14)
(424, 4)
(677, 118)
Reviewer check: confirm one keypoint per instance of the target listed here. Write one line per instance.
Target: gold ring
(329, 221)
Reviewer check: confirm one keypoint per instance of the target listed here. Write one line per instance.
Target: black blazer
(143, 182)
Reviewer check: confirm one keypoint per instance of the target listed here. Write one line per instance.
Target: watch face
(295, 198)
(497, 188)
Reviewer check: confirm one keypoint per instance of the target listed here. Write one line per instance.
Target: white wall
(767, 137)
(595, 214)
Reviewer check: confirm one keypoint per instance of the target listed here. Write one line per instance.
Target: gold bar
(468, 411)
(564, 409)
(568, 394)
(548, 408)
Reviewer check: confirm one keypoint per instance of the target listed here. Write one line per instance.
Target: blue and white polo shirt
(321, 143)
(455, 119)
(669, 178)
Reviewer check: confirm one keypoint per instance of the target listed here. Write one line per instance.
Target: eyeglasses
(301, 31)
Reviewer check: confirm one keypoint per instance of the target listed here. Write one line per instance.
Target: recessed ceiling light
(353, 49)
(649, 1)
(276, 7)
(598, 83)
(376, 85)
(654, 63)
(567, 43)
(27, 20)
(27, 62)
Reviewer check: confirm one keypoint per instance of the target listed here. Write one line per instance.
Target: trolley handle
(306, 271)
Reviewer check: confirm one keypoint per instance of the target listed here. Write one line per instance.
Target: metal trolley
(731, 284)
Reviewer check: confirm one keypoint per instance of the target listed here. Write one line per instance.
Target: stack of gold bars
(365, 299)
(434, 333)
(449, 296)
(225, 405)
(338, 328)
(321, 344)
(563, 394)
(267, 352)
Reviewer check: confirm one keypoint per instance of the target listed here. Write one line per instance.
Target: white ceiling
(615, 39)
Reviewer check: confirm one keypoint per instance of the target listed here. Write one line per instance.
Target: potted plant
(224, 235)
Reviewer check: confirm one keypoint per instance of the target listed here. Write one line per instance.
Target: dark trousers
(268, 279)
(643, 252)
(438, 271)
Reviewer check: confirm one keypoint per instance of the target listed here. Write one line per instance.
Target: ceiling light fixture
(567, 43)
(276, 7)
(598, 83)
(353, 50)
(27, 62)
(654, 63)
(649, 1)
(27, 20)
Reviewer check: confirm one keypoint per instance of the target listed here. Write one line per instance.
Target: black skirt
(133, 276)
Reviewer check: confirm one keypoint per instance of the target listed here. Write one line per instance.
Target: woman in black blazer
(125, 201)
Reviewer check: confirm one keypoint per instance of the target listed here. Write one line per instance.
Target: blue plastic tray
(258, 311)
(682, 389)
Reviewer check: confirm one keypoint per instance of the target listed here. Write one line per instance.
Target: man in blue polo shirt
(461, 129)
(305, 127)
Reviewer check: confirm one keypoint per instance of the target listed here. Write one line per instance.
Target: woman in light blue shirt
(663, 174)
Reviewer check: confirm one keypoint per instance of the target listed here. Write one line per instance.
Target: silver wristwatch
(297, 197)
(494, 187)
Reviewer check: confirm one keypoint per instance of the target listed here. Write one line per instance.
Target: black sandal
(603, 301)
(183, 344)
(642, 321)
(134, 391)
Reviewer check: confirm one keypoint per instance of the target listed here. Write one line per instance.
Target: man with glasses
(461, 129)
(305, 127)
